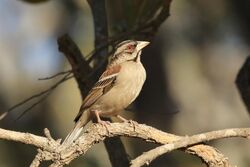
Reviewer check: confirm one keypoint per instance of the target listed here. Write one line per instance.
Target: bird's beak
(141, 45)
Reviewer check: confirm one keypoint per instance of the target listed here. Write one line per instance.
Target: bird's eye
(130, 47)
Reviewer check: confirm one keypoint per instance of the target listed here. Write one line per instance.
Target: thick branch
(61, 155)
(98, 133)
(98, 9)
(80, 66)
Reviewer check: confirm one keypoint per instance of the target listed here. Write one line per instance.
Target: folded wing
(102, 86)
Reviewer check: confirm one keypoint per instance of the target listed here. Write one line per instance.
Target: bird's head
(129, 50)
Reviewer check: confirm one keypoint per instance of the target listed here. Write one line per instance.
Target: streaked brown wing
(102, 86)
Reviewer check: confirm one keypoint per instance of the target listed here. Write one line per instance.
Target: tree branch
(25, 138)
(98, 9)
(44, 93)
(61, 155)
(186, 141)
(80, 66)
(209, 155)
(55, 75)
(37, 160)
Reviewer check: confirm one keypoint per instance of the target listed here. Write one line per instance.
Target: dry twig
(55, 75)
(44, 93)
(186, 141)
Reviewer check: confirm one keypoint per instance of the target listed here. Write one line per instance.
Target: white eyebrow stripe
(124, 42)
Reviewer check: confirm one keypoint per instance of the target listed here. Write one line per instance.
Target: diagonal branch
(43, 93)
(38, 159)
(79, 65)
(187, 141)
(209, 155)
(55, 75)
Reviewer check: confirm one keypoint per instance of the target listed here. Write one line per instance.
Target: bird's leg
(98, 119)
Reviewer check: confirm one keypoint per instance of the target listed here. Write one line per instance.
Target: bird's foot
(104, 123)
(101, 122)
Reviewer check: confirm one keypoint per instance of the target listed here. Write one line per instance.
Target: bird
(117, 87)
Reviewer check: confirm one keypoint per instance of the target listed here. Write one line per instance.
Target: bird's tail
(75, 132)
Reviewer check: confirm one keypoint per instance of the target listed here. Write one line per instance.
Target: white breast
(127, 87)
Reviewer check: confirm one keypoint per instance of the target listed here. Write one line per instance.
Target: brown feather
(102, 86)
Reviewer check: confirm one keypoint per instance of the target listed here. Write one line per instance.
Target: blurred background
(192, 64)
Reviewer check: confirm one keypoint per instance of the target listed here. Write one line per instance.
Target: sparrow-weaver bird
(117, 87)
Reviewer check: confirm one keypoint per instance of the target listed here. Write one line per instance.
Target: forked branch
(61, 155)
(187, 141)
